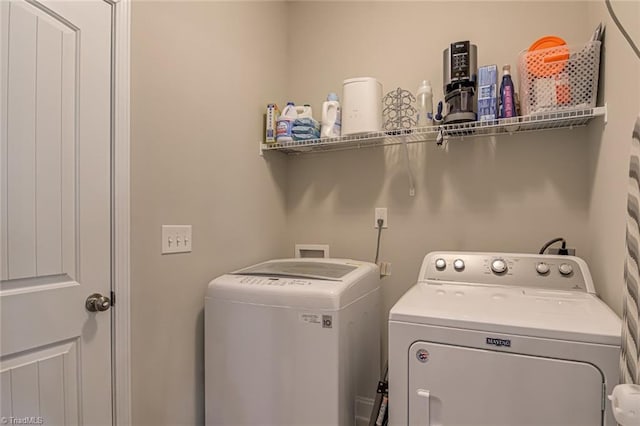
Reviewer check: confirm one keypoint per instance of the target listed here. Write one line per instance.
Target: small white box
(361, 105)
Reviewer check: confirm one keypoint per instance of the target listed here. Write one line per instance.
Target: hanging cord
(621, 28)
(563, 250)
(380, 222)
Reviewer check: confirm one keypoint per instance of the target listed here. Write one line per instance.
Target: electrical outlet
(385, 269)
(570, 251)
(176, 239)
(381, 213)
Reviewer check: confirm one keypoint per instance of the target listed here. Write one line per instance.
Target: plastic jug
(331, 117)
(285, 123)
(304, 111)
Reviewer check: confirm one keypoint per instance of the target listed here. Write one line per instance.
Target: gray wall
(609, 149)
(512, 193)
(202, 73)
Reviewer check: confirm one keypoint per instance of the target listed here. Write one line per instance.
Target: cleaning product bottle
(304, 111)
(331, 117)
(507, 94)
(285, 123)
(424, 97)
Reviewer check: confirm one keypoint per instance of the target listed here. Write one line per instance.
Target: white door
(454, 385)
(55, 355)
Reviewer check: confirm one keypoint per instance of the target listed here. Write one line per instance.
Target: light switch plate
(176, 239)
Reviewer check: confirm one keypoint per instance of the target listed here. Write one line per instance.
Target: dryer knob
(565, 269)
(499, 266)
(458, 264)
(542, 268)
(441, 263)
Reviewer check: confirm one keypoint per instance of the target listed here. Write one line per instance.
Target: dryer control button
(458, 264)
(565, 269)
(542, 268)
(499, 266)
(441, 263)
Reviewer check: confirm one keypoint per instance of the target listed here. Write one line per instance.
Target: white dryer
(292, 342)
(502, 339)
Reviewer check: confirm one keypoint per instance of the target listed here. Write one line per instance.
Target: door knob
(97, 303)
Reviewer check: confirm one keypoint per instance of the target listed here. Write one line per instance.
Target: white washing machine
(502, 339)
(292, 342)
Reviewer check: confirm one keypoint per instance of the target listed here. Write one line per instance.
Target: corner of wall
(609, 150)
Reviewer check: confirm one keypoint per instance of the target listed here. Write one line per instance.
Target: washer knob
(499, 266)
(565, 269)
(542, 268)
(441, 263)
(458, 264)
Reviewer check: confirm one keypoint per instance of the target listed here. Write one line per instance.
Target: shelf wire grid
(460, 131)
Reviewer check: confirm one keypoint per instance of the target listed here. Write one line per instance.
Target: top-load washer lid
(300, 269)
(522, 298)
(329, 284)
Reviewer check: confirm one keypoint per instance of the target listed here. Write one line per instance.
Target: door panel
(453, 385)
(21, 143)
(48, 153)
(39, 383)
(40, 186)
(55, 359)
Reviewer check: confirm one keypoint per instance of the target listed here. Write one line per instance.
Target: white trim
(121, 329)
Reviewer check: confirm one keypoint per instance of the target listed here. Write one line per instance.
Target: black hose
(548, 244)
(380, 222)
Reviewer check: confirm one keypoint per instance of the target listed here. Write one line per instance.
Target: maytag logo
(498, 342)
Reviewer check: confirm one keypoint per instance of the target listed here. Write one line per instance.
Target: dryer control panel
(551, 272)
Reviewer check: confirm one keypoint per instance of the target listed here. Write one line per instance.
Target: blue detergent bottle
(507, 94)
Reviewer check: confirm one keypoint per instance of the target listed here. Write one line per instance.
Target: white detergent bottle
(424, 97)
(304, 111)
(284, 125)
(331, 117)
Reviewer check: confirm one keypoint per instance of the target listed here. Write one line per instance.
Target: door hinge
(113, 298)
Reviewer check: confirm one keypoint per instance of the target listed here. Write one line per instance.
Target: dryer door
(453, 385)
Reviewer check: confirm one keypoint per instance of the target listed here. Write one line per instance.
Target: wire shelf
(474, 129)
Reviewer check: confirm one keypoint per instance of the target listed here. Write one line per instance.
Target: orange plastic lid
(547, 56)
(547, 42)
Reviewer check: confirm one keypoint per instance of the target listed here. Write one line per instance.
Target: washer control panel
(524, 270)
(270, 281)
